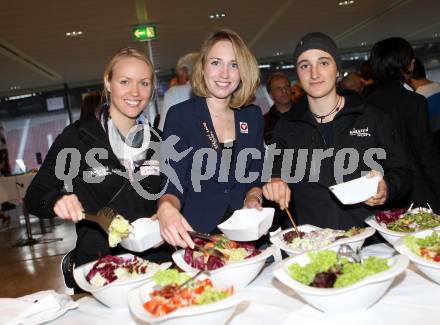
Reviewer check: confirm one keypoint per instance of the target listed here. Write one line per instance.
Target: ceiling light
(74, 33)
(346, 3)
(277, 53)
(263, 66)
(363, 43)
(217, 15)
(15, 87)
(287, 66)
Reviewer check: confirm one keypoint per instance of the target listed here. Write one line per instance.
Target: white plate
(144, 235)
(357, 190)
(391, 236)
(215, 313)
(355, 241)
(247, 224)
(239, 273)
(430, 268)
(114, 294)
(358, 296)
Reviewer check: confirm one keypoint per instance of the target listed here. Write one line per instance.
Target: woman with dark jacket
(216, 129)
(335, 138)
(107, 155)
(392, 61)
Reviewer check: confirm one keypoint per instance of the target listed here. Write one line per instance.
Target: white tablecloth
(412, 299)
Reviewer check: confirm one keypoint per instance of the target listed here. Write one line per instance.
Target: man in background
(430, 90)
(279, 89)
(182, 91)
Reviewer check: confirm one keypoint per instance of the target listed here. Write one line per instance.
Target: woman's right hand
(173, 226)
(278, 191)
(69, 207)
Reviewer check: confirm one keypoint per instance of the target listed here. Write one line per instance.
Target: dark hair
(366, 71)
(275, 76)
(391, 58)
(90, 104)
(419, 70)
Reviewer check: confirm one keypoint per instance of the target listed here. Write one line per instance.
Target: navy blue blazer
(205, 206)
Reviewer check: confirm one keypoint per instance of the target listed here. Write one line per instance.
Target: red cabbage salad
(208, 259)
(110, 268)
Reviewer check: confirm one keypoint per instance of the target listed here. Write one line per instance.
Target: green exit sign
(142, 33)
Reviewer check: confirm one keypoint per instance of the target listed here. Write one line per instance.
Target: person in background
(430, 90)
(352, 81)
(90, 104)
(367, 78)
(123, 139)
(330, 122)
(392, 61)
(183, 90)
(278, 87)
(296, 93)
(221, 120)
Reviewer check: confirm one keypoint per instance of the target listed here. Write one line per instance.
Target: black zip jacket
(409, 113)
(114, 191)
(356, 126)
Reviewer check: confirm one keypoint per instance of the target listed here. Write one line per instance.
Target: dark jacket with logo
(409, 114)
(114, 191)
(205, 207)
(357, 127)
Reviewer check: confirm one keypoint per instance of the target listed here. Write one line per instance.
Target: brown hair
(247, 65)
(127, 52)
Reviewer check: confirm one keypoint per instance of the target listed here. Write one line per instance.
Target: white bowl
(390, 236)
(247, 224)
(354, 242)
(358, 296)
(215, 313)
(114, 294)
(239, 274)
(357, 190)
(144, 235)
(430, 268)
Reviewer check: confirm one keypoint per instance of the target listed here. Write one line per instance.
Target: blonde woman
(219, 126)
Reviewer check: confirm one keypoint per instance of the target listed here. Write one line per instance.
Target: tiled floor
(28, 269)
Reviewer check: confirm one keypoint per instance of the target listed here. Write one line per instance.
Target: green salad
(170, 276)
(428, 247)
(325, 270)
(411, 222)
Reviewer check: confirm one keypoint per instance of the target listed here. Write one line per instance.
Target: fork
(103, 217)
(348, 252)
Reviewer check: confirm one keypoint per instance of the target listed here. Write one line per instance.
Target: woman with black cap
(343, 138)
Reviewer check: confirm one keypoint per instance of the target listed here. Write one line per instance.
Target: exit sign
(142, 33)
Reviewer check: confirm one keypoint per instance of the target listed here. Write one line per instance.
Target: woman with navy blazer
(221, 137)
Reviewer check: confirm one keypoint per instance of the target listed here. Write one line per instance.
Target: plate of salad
(109, 278)
(227, 260)
(334, 284)
(202, 300)
(397, 223)
(316, 238)
(423, 249)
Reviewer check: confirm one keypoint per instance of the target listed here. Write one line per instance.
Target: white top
(173, 96)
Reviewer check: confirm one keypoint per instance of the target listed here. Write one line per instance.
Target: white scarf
(129, 154)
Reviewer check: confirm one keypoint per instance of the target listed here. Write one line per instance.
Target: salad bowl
(393, 236)
(247, 224)
(211, 313)
(355, 242)
(354, 297)
(114, 294)
(431, 268)
(237, 273)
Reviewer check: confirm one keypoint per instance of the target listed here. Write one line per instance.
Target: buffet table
(412, 299)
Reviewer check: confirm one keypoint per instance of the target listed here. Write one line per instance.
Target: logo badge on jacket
(244, 127)
(150, 168)
(360, 132)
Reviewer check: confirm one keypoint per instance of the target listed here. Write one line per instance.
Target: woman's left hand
(382, 191)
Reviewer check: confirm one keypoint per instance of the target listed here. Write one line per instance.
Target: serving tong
(212, 250)
(349, 253)
(103, 217)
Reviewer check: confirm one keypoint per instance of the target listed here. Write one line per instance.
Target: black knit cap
(317, 41)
